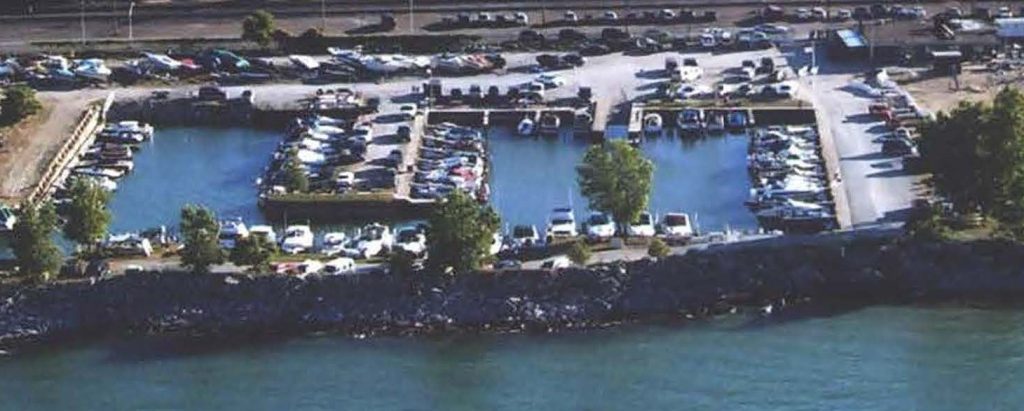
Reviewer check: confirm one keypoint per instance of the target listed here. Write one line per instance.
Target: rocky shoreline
(782, 274)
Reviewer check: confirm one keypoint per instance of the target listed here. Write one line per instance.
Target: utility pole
(412, 17)
(131, 26)
(323, 15)
(113, 11)
(81, 15)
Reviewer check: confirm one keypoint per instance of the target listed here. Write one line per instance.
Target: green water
(875, 359)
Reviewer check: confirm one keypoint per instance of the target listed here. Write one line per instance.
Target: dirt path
(28, 147)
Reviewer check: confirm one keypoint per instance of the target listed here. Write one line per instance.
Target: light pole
(131, 26)
(323, 15)
(412, 16)
(81, 15)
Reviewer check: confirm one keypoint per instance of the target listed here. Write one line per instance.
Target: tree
(616, 179)
(87, 215)
(658, 249)
(19, 102)
(579, 252)
(401, 264)
(199, 230)
(295, 178)
(34, 248)
(259, 27)
(460, 234)
(253, 251)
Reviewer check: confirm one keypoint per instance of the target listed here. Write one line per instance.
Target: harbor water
(884, 358)
(217, 167)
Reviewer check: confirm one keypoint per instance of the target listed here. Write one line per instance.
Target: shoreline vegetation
(782, 275)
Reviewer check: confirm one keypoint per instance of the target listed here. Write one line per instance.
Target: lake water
(217, 168)
(884, 358)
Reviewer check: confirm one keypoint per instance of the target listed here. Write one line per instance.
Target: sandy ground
(975, 84)
(29, 149)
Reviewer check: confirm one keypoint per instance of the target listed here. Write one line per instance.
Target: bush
(658, 249)
(579, 252)
(19, 102)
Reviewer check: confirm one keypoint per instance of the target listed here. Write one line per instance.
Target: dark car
(573, 59)
(879, 10)
(861, 13)
(571, 35)
(595, 50)
(611, 33)
(404, 133)
(897, 147)
(773, 13)
(530, 36)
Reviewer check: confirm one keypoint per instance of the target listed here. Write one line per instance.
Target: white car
(550, 81)
(333, 244)
(600, 226)
(819, 13)
(571, 16)
(338, 266)
(667, 14)
(611, 16)
(689, 91)
(642, 227)
(346, 179)
(407, 111)
(309, 267)
(561, 224)
(525, 236)
(843, 14)
(676, 226)
(412, 240)
(7, 218)
(803, 14)
(297, 239)
(362, 132)
(373, 240)
(265, 231)
(556, 263)
(230, 232)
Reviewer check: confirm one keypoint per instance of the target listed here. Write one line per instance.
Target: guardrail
(83, 135)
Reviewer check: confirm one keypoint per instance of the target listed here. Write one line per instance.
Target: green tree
(616, 179)
(295, 178)
(199, 231)
(579, 252)
(658, 248)
(253, 251)
(18, 102)
(400, 263)
(88, 216)
(259, 27)
(33, 245)
(460, 235)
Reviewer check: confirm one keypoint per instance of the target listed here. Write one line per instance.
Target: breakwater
(784, 273)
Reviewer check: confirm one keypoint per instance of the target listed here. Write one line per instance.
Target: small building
(847, 44)
(1010, 30)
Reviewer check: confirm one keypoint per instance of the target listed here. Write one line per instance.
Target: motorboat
(524, 236)
(690, 120)
(308, 267)
(128, 244)
(715, 122)
(162, 62)
(333, 243)
(550, 124)
(600, 227)
(7, 218)
(264, 231)
(103, 182)
(561, 224)
(652, 123)
(642, 227)
(339, 266)
(132, 128)
(794, 215)
(676, 226)
(230, 232)
(526, 127)
(412, 240)
(306, 63)
(374, 239)
(96, 171)
(297, 239)
(92, 69)
(738, 120)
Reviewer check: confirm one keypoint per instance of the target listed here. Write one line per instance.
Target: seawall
(784, 274)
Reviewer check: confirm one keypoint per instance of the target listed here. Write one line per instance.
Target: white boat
(104, 182)
(333, 243)
(676, 226)
(7, 218)
(496, 244)
(600, 227)
(135, 130)
(690, 120)
(412, 240)
(373, 240)
(230, 232)
(95, 171)
(265, 231)
(526, 127)
(93, 69)
(297, 239)
(309, 267)
(306, 63)
(550, 124)
(652, 123)
(129, 244)
(561, 223)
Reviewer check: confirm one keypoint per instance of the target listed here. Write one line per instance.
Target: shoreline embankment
(780, 274)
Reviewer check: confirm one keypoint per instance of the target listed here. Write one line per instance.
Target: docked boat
(652, 123)
(96, 171)
(550, 124)
(412, 240)
(561, 224)
(297, 239)
(373, 240)
(796, 216)
(583, 122)
(676, 226)
(92, 69)
(7, 218)
(125, 166)
(126, 131)
(524, 236)
(715, 122)
(690, 120)
(526, 127)
(230, 232)
(129, 244)
(738, 120)
(265, 231)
